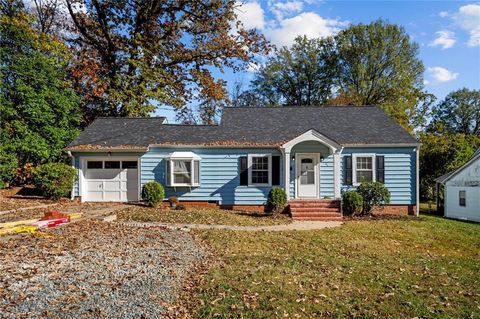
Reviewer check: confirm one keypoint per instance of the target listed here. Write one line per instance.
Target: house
(462, 190)
(314, 153)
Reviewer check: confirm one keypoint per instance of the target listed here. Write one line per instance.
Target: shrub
(54, 180)
(373, 194)
(352, 202)
(277, 200)
(153, 193)
(8, 167)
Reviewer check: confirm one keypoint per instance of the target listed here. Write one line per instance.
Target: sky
(447, 32)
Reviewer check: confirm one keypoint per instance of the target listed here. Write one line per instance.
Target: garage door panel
(94, 185)
(113, 196)
(103, 174)
(111, 184)
(94, 196)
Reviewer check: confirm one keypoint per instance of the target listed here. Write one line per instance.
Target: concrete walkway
(295, 225)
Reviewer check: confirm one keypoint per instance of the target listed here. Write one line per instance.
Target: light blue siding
(400, 168)
(76, 164)
(219, 175)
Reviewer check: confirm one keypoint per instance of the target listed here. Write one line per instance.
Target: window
(183, 171)
(94, 164)
(130, 164)
(112, 164)
(462, 198)
(307, 172)
(260, 172)
(363, 169)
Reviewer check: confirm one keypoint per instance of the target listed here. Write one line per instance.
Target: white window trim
(354, 167)
(192, 173)
(249, 164)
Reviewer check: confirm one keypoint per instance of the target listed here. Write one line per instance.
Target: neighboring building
(462, 191)
(314, 153)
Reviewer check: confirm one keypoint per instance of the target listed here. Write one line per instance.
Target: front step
(316, 209)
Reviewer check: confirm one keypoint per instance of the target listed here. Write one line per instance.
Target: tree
(459, 112)
(300, 75)
(441, 154)
(365, 64)
(135, 55)
(39, 111)
(378, 64)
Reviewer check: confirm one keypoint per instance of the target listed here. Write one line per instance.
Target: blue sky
(448, 33)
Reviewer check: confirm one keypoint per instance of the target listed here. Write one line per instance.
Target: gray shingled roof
(251, 126)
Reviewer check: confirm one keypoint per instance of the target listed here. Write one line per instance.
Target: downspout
(417, 180)
(339, 180)
(72, 196)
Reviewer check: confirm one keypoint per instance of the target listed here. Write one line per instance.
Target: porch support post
(336, 173)
(287, 173)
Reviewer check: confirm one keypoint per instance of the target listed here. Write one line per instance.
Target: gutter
(73, 166)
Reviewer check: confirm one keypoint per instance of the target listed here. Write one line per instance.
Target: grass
(425, 210)
(424, 267)
(210, 216)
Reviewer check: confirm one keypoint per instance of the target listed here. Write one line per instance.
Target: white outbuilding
(462, 190)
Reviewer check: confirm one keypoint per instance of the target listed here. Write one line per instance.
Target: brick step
(316, 215)
(314, 205)
(313, 201)
(319, 218)
(315, 209)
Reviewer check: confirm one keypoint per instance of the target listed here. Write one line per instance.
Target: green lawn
(208, 216)
(425, 267)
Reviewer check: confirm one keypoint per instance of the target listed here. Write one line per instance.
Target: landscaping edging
(295, 225)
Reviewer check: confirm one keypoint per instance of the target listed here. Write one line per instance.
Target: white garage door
(111, 180)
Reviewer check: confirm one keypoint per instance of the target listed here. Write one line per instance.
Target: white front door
(307, 175)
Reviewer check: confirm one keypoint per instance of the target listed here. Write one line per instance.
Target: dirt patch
(93, 269)
(64, 206)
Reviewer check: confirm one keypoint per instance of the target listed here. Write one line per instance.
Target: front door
(307, 175)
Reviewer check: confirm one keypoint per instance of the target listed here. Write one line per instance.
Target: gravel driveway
(93, 269)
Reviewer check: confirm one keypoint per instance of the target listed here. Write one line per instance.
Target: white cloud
(306, 23)
(468, 18)
(443, 14)
(251, 15)
(445, 39)
(439, 74)
(285, 9)
(288, 22)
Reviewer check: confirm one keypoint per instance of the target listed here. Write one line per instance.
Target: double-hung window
(183, 169)
(462, 198)
(260, 169)
(364, 168)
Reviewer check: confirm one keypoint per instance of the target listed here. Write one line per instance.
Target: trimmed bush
(54, 180)
(153, 193)
(352, 203)
(373, 194)
(277, 200)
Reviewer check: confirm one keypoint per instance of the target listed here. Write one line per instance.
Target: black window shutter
(243, 170)
(275, 170)
(380, 168)
(348, 170)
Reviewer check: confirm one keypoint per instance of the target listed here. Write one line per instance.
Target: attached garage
(110, 179)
